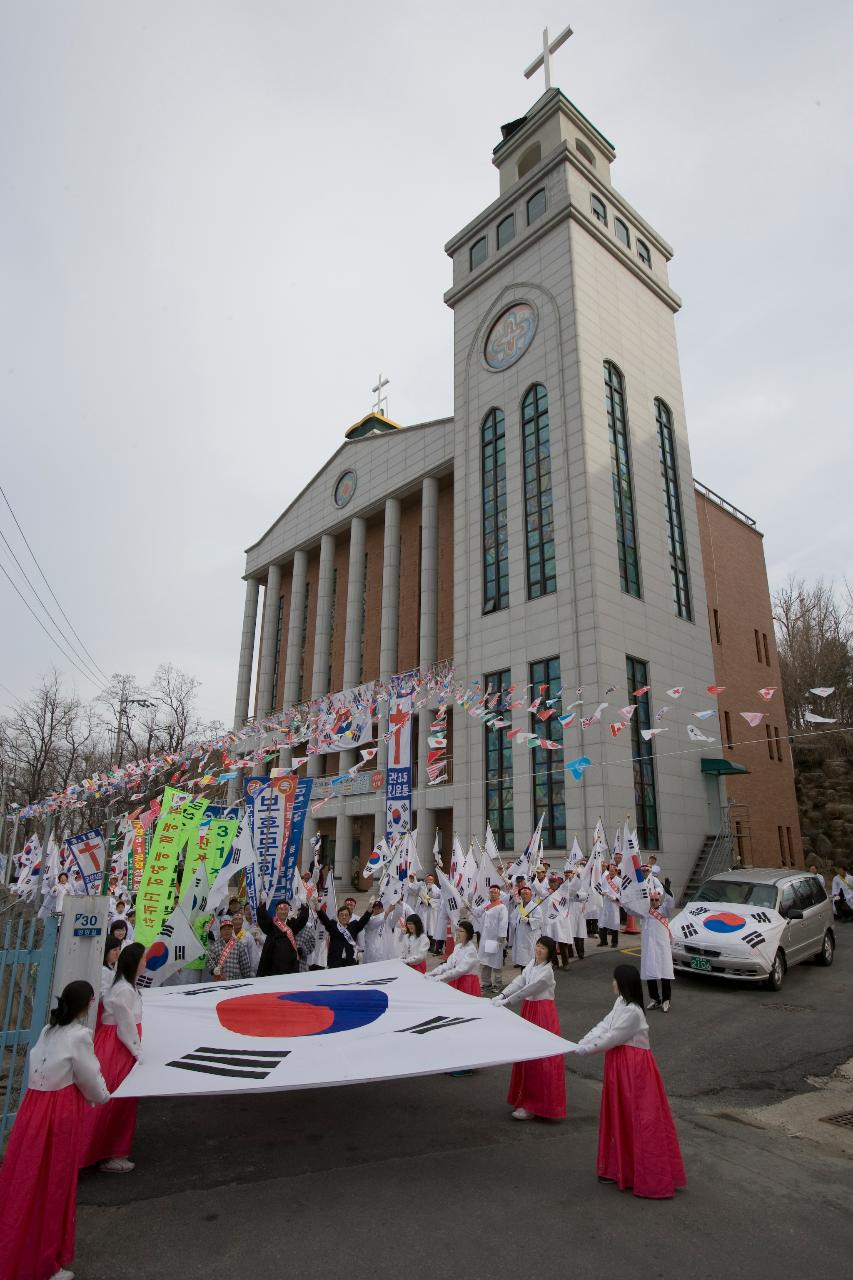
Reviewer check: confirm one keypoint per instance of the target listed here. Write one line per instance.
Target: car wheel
(776, 976)
(826, 955)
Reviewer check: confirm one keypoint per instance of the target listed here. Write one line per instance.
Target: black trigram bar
(754, 939)
(435, 1024)
(761, 917)
(219, 986)
(365, 982)
(689, 930)
(242, 1064)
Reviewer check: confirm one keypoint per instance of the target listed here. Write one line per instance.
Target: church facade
(545, 536)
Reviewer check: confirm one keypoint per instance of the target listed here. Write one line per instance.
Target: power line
(59, 629)
(52, 639)
(95, 665)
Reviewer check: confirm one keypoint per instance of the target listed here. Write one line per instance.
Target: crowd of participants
(68, 1119)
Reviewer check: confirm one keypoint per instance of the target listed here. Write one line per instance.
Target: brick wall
(408, 636)
(745, 660)
(444, 649)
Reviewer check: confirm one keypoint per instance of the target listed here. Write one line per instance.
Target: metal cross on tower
(544, 59)
(381, 398)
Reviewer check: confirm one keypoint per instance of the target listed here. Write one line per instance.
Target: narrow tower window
(538, 498)
(623, 488)
(495, 537)
(674, 520)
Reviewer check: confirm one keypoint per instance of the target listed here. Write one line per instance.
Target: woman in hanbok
(637, 1143)
(118, 1045)
(112, 951)
(38, 1179)
(414, 944)
(537, 1088)
(461, 969)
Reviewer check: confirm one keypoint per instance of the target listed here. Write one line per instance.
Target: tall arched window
(623, 488)
(538, 498)
(674, 520)
(495, 539)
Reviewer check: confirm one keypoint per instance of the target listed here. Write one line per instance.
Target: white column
(272, 594)
(294, 642)
(388, 630)
(322, 643)
(428, 653)
(353, 627)
(244, 671)
(247, 653)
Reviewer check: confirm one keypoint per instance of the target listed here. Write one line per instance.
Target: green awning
(717, 767)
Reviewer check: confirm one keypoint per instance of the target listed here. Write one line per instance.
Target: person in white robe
(56, 892)
(557, 922)
(372, 924)
(528, 927)
(539, 884)
(608, 912)
(577, 907)
(656, 968)
(412, 890)
(428, 909)
(493, 935)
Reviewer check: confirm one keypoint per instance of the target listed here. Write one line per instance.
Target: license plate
(699, 962)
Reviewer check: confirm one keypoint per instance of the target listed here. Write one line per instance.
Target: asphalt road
(430, 1177)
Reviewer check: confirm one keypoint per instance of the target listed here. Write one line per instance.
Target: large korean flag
(732, 930)
(346, 1026)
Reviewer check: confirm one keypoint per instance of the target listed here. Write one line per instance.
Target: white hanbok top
(54, 900)
(412, 949)
(535, 982)
(462, 960)
(540, 888)
(493, 929)
(66, 1055)
(656, 956)
(107, 979)
(624, 1024)
(374, 944)
(122, 1009)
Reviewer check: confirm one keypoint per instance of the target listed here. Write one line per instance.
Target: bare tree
(46, 736)
(814, 635)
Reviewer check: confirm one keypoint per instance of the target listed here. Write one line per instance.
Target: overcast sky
(219, 219)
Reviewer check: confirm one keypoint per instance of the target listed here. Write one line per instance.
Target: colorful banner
(268, 820)
(171, 834)
(345, 720)
(138, 865)
(299, 812)
(88, 855)
(398, 781)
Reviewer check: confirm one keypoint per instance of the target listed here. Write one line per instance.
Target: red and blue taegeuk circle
(724, 922)
(156, 956)
(289, 1014)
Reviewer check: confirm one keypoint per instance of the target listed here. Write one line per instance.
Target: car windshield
(740, 891)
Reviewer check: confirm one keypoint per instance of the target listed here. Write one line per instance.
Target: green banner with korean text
(211, 846)
(173, 830)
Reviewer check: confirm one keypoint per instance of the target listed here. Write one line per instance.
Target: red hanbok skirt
(38, 1184)
(420, 967)
(110, 1128)
(637, 1143)
(469, 983)
(540, 1086)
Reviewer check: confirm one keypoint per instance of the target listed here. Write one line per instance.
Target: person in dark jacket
(279, 954)
(342, 936)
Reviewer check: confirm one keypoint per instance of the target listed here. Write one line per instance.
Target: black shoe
(610, 1181)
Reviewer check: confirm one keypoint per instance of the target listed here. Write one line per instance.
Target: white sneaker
(62, 1274)
(118, 1165)
(521, 1114)
(665, 1006)
(654, 1004)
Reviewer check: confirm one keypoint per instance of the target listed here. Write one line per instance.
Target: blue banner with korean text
(298, 814)
(398, 780)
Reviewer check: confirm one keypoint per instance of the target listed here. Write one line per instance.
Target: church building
(548, 534)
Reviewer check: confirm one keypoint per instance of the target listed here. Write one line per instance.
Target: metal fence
(27, 957)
